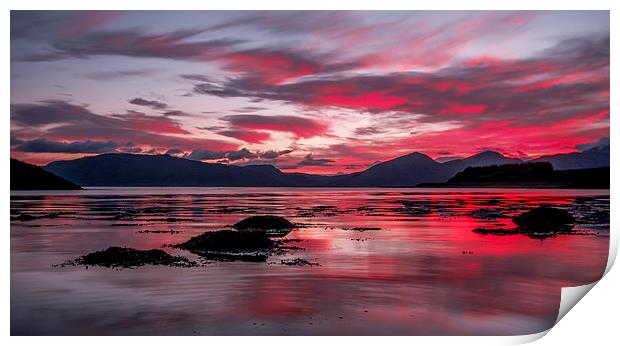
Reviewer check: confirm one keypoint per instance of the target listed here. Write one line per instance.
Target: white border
(593, 321)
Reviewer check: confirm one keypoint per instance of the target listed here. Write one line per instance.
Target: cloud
(132, 43)
(311, 161)
(114, 75)
(130, 150)
(157, 105)
(15, 141)
(443, 159)
(603, 142)
(60, 120)
(273, 154)
(174, 151)
(368, 130)
(299, 126)
(248, 136)
(201, 155)
(44, 146)
(45, 25)
(540, 89)
(240, 155)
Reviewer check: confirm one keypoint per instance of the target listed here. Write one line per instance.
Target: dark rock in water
(514, 231)
(298, 262)
(487, 214)
(229, 245)
(545, 219)
(127, 257)
(539, 223)
(24, 217)
(495, 231)
(28, 217)
(275, 226)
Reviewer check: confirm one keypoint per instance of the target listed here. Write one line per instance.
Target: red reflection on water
(423, 272)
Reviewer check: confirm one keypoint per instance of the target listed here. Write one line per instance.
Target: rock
(545, 220)
(274, 226)
(298, 262)
(229, 245)
(495, 231)
(28, 217)
(127, 257)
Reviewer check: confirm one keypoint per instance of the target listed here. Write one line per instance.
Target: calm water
(423, 272)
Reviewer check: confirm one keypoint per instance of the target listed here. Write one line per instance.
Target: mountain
(165, 170)
(592, 158)
(156, 170)
(417, 168)
(25, 176)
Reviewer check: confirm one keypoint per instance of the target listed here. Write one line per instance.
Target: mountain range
(408, 170)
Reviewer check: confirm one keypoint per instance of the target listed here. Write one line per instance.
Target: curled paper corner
(570, 296)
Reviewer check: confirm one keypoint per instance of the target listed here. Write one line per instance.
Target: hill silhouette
(533, 174)
(165, 170)
(25, 176)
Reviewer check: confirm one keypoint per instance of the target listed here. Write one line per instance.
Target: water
(423, 272)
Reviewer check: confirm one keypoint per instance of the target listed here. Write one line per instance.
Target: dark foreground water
(423, 271)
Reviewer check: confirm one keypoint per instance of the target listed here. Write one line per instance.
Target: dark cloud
(269, 64)
(176, 113)
(157, 105)
(15, 141)
(273, 154)
(443, 159)
(62, 120)
(368, 130)
(173, 45)
(299, 126)
(174, 151)
(311, 161)
(555, 85)
(240, 155)
(250, 109)
(130, 150)
(113, 75)
(246, 135)
(603, 142)
(44, 146)
(197, 77)
(46, 25)
(201, 155)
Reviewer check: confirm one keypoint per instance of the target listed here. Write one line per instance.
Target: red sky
(321, 92)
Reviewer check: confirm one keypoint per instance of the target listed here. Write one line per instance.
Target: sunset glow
(317, 92)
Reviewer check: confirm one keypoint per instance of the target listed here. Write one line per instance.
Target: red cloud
(246, 136)
(299, 126)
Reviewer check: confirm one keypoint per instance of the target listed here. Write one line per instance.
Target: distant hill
(164, 170)
(533, 174)
(25, 176)
(156, 170)
(416, 168)
(593, 158)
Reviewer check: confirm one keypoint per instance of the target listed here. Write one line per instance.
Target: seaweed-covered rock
(545, 219)
(539, 223)
(275, 226)
(229, 245)
(28, 217)
(127, 257)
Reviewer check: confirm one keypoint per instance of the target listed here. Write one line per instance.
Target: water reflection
(392, 261)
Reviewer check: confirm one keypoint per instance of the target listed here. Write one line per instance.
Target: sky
(308, 91)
